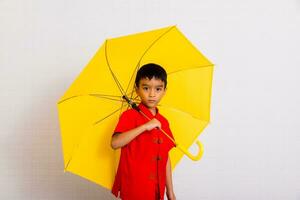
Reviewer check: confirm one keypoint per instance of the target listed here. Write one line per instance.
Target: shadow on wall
(38, 156)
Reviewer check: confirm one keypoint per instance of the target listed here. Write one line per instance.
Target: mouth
(151, 101)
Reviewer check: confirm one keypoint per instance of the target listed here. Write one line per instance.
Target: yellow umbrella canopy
(89, 110)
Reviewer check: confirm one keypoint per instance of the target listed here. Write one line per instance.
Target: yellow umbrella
(89, 110)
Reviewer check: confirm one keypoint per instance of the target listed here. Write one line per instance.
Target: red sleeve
(126, 122)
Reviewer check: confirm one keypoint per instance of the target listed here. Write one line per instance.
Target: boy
(144, 169)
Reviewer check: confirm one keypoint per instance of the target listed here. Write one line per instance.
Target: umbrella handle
(191, 156)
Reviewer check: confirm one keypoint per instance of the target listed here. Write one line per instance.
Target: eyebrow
(156, 86)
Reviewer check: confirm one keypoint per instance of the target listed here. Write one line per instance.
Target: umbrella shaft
(159, 128)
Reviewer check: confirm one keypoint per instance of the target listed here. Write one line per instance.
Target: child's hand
(154, 123)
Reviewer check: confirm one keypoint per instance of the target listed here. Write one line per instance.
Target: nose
(152, 93)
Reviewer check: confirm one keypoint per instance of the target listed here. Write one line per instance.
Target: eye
(158, 89)
(145, 88)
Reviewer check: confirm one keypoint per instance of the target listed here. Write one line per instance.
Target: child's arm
(169, 184)
(120, 140)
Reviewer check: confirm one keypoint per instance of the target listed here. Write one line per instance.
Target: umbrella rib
(178, 110)
(104, 97)
(68, 98)
(121, 109)
(107, 116)
(139, 62)
(132, 94)
(72, 154)
(190, 68)
(112, 73)
(135, 70)
(98, 95)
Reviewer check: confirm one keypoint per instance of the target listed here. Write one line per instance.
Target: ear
(165, 89)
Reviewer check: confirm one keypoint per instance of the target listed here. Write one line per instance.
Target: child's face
(151, 91)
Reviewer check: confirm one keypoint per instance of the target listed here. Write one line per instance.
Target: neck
(153, 111)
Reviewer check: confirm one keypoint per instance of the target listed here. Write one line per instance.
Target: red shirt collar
(146, 110)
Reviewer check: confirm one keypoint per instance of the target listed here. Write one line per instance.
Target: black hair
(149, 71)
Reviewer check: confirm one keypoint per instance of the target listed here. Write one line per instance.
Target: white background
(252, 144)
